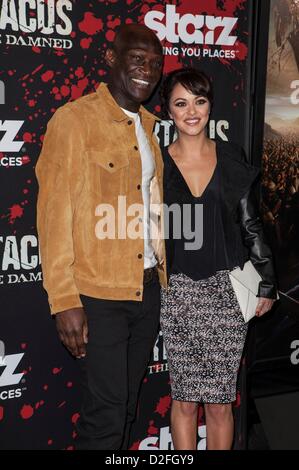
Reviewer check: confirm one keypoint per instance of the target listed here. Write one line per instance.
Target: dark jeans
(120, 341)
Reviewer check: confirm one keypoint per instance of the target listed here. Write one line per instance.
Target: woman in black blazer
(208, 188)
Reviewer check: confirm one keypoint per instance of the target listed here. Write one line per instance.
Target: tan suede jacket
(90, 156)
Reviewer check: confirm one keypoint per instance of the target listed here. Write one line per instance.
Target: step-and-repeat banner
(53, 52)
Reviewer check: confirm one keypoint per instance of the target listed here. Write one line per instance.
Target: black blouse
(198, 256)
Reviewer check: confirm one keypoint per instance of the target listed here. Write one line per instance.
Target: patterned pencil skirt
(204, 333)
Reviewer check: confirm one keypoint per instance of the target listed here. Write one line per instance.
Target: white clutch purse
(245, 283)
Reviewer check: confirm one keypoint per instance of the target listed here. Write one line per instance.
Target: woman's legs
(220, 426)
(184, 425)
(219, 423)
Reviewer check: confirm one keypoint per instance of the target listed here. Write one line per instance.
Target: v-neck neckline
(185, 182)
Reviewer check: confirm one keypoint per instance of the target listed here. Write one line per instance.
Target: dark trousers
(120, 340)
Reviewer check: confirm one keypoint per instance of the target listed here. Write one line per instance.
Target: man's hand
(73, 331)
(263, 306)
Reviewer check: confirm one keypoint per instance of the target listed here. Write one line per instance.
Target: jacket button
(111, 165)
(129, 123)
(138, 293)
(135, 147)
(139, 255)
(138, 186)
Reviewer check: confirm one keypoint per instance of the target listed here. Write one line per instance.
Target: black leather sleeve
(254, 239)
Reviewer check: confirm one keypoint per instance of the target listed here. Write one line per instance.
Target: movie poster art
(280, 185)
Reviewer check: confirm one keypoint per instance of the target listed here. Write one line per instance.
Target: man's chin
(141, 94)
(141, 97)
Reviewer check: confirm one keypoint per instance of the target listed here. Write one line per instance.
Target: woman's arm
(259, 251)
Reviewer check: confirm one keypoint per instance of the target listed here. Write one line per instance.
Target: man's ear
(110, 57)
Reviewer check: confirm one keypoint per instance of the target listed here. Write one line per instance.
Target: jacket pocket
(108, 173)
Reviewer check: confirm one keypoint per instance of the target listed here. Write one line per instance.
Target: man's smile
(141, 83)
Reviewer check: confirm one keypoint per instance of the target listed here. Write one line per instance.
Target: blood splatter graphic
(37, 69)
(56, 370)
(163, 405)
(90, 24)
(47, 76)
(16, 211)
(79, 72)
(39, 403)
(26, 159)
(26, 411)
(75, 418)
(85, 43)
(152, 429)
(78, 90)
(135, 445)
(110, 35)
(211, 7)
(27, 137)
(241, 50)
(65, 90)
(172, 62)
(59, 52)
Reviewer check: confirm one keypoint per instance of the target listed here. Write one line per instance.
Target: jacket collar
(115, 112)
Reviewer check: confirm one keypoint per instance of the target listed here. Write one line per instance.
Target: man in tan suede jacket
(99, 154)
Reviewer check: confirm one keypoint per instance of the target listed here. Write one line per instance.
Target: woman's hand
(263, 306)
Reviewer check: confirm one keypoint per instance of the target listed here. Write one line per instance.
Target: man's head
(136, 62)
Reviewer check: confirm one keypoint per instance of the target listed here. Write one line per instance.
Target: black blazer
(243, 231)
